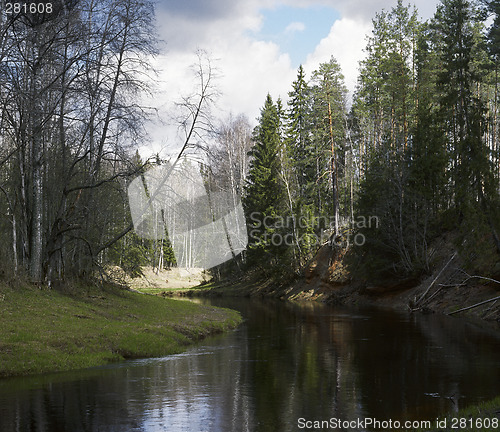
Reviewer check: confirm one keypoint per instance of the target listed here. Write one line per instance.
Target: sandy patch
(175, 278)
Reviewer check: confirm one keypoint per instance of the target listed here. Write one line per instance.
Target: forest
(379, 175)
(414, 155)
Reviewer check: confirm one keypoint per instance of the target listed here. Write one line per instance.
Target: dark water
(286, 362)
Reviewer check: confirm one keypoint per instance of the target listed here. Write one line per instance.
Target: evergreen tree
(462, 111)
(264, 196)
(387, 108)
(329, 120)
(427, 155)
(387, 79)
(418, 146)
(302, 167)
(298, 134)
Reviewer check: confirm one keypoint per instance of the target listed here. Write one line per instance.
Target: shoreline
(398, 297)
(445, 302)
(44, 331)
(447, 289)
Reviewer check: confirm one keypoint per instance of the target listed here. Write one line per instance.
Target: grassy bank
(482, 417)
(46, 330)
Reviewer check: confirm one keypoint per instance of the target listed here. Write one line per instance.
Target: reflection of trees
(298, 365)
(405, 361)
(277, 374)
(288, 361)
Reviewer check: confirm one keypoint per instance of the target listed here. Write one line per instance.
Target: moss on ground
(46, 330)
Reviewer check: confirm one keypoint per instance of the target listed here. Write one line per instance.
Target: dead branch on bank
(494, 299)
(475, 305)
(417, 303)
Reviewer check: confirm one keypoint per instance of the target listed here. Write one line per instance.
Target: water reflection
(286, 362)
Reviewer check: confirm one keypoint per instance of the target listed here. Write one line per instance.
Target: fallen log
(475, 305)
(417, 302)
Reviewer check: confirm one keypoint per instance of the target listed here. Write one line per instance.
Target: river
(287, 365)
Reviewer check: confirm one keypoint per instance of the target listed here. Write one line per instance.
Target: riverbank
(417, 297)
(45, 330)
(448, 289)
(154, 281)
(478, 418)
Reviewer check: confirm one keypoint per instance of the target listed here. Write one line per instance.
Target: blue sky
(297, 30)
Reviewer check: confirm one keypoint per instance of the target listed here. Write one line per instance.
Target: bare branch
(475, 305)
(198, 115)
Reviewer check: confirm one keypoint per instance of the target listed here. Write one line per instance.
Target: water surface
(287, 361)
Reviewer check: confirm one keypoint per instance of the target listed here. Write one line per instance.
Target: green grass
(471, 419)
(44, 330)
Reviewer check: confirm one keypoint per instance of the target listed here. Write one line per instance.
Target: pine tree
(462, 111)
(387, 79)
(386, 107)
(329, 113)
(427, 155)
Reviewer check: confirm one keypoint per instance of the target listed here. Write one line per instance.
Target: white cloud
(365, 10)
(248, 69)
(295, 27)
(251, 68)
(346, 42)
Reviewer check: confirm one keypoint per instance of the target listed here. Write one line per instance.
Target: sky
(256, 47)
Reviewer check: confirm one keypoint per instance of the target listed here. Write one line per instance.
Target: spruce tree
(298, 133)
(461, 51)
(264, 194)
(302, 164)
